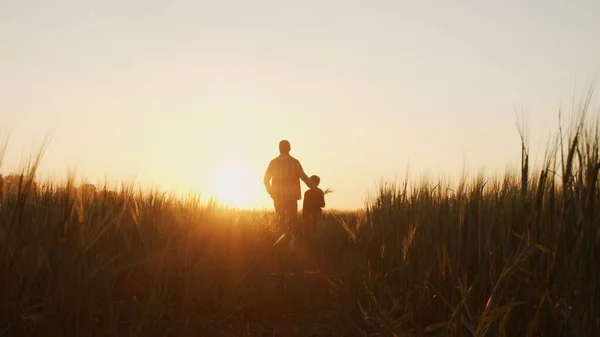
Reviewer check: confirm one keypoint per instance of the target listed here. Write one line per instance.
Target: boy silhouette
(314, 201)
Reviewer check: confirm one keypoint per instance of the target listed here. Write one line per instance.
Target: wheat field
(516, 255)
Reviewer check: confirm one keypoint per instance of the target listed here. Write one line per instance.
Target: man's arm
(267, 179)
(303, 176)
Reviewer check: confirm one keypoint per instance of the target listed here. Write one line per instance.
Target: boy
(314, 200)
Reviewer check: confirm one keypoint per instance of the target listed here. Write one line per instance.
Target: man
(282, 180)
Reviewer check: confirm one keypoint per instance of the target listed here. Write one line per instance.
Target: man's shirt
(285, 173)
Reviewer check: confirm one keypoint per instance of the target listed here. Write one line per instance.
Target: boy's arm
(305, 202)
(322, 199)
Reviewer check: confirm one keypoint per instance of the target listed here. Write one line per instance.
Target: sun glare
(234, 185)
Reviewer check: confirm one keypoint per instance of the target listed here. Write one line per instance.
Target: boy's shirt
(314, 200)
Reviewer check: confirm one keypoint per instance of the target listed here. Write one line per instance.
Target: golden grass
(511, 256)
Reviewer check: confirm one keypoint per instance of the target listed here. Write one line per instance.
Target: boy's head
(315, 180)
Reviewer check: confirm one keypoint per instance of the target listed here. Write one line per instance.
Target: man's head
(284, 147)
(315, 180)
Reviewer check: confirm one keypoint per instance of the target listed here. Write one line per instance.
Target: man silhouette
(282, 181)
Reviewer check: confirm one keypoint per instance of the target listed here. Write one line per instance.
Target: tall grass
(510, 256)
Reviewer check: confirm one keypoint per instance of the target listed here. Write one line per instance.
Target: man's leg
(286, 210)
(291, 207)
(279, 207)
(282, 218)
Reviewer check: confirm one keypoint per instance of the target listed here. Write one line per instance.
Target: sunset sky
(182, 94)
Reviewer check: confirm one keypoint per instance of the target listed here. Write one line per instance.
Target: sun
(235, 185)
